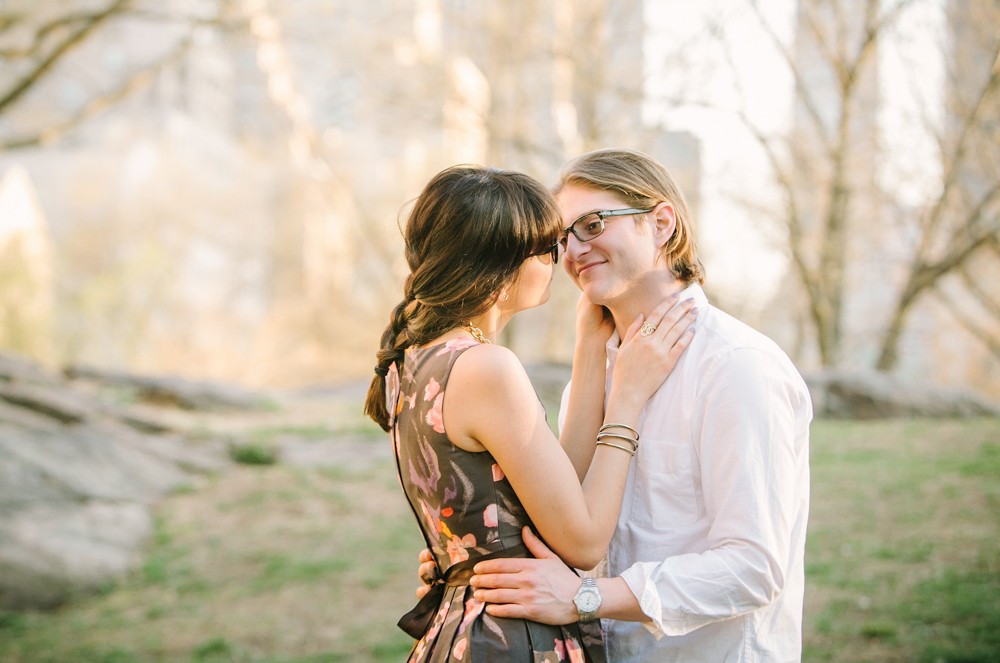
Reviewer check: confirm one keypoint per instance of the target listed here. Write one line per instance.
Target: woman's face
(531, 288)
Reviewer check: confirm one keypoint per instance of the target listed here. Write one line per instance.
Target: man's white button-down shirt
(712, 530)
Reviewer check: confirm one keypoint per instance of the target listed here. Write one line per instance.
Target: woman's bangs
(542, 226)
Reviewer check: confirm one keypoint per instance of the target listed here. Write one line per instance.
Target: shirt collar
(693, 291)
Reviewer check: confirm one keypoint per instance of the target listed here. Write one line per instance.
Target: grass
(902, 559)
(276, 564)
(269, 564)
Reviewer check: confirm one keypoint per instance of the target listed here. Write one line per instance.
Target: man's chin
(594, 294)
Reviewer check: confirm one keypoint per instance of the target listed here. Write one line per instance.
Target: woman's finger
(685, 340)
(674, 331)
(633, 328)
(673, 316)
(662, 309)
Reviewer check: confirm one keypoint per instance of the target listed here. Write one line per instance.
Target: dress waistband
(416, 622)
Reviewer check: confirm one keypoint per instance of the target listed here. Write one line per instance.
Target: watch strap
(588, 586)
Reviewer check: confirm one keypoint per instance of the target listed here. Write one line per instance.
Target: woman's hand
(594, 323)
(644, 362)
(427, 572)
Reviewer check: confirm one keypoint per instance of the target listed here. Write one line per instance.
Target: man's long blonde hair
(639, 181)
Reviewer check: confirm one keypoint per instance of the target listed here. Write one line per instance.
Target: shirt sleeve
(564, 406)
(750, 429)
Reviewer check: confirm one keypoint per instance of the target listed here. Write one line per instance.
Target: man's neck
(643, 299)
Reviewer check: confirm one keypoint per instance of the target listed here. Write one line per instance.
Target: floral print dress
(466, 510)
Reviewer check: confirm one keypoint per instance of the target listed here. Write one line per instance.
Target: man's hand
(541, 589)
(427, 572)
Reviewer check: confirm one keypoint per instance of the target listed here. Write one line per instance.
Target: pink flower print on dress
(498, 474)
(457, 547)
(472, 610)
(434, 414)
(430, 514)
(455, 345)
(432, 632)
(575, 651)
(459, 650)
(431, 390)
(392, 403)
(560, 648)
(490, 516)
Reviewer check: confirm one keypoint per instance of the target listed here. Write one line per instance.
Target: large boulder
(176, 392)
(78, 478)
(872, 395)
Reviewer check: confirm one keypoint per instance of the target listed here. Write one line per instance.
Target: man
(706, 563)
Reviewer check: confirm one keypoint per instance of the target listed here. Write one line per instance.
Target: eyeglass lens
(584, 229)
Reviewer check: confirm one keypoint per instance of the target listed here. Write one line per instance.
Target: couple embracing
(683, 453)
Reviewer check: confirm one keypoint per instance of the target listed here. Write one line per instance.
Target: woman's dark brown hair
(466, 238)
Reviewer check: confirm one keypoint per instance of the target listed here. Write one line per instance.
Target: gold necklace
(477, 333)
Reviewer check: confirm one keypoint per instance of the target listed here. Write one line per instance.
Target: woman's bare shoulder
(489, 370)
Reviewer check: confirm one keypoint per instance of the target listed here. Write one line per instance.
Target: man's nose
(575, 248)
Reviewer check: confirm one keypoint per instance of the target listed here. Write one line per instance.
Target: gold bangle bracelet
(634, 443)
(609, 444)
(629, 428)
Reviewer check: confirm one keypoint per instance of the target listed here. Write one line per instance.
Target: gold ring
(647, 329)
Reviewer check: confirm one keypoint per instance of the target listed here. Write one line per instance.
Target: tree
(826, 166)
(37, 39)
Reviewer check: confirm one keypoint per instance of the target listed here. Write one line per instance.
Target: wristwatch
(587, 600)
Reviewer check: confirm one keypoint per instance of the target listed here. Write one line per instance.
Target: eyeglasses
(591, 224)
(549, 256)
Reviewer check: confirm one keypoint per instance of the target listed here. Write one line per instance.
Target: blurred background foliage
(214, 187)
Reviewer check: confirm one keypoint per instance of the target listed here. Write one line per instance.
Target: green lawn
(272, 563)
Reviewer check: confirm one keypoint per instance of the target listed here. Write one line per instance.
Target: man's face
(609, 267)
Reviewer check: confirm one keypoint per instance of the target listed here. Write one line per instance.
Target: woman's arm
(585, 411)
(490, 402)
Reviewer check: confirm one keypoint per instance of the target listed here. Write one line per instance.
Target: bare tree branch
(924, 276)
(71, 40)
(953, 163)
(97, 105)
(973, 327)
(800, 84)
(9, 20)
(983, 297)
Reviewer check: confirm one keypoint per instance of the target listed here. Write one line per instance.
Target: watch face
(588, 601)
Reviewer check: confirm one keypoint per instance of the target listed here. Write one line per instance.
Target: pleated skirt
(463, 631)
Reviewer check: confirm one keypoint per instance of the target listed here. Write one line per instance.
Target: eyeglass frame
(554, 250)
(601, 215)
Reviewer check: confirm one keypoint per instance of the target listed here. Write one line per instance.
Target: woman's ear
(665, 223)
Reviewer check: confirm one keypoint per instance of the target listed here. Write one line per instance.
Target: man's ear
(664, 223)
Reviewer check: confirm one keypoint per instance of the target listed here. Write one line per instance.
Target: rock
(15, 367)
(350, 451)
(78, 479)
(177, 392)
(59, 404)
(871, 395)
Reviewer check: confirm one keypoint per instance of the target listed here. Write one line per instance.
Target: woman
(474, 455)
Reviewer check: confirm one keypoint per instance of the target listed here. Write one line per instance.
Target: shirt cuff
(649, 602)
(640, 578)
